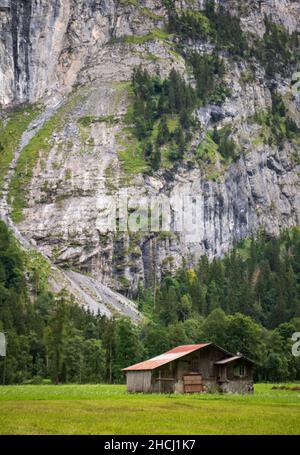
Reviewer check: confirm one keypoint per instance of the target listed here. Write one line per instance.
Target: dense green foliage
(277, 50)
(52, 337)
(217, 26)
(162, 110)
(259, 278)
(277, 125)
(227, 32)
(208, 71)
(226, 146)
(162, 114)
(248, 302)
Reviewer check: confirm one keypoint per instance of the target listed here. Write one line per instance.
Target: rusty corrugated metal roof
(167, 357)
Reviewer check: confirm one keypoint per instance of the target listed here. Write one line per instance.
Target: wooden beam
(165, 379)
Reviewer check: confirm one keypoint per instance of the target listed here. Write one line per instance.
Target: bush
(276, 123)
(226, 145)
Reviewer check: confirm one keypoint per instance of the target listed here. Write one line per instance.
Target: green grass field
(108, 409)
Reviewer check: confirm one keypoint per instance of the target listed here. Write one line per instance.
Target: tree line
(246, 302)
(50, 336)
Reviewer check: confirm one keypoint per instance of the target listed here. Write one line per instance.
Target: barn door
(193, 383)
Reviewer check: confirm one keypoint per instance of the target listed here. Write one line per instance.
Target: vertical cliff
(82, 54)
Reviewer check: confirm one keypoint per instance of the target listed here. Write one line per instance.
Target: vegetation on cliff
(11, 129)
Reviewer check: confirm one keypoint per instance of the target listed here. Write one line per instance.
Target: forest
(247, 302)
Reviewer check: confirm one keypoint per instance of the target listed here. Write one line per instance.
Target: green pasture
(109, 409)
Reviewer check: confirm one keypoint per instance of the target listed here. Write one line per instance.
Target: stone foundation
(237, 386)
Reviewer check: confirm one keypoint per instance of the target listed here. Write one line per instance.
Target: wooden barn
(192, 369)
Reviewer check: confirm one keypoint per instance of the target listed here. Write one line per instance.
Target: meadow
(109, 409)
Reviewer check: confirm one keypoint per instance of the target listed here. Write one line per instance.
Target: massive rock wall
(45, 44)
(48, 48)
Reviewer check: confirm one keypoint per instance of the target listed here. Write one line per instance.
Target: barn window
(240, 370)
(194, 365)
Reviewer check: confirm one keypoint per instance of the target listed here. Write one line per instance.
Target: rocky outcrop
(48, 48)
(86, 291)
(45, 45)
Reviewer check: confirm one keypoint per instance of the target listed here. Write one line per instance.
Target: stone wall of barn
(211, 386)
(237, 386)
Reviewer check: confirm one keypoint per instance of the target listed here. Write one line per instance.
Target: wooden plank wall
(138, 381)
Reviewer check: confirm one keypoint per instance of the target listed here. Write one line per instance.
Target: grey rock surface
(48, 48)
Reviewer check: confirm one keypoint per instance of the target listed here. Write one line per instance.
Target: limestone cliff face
(46, 44)
(83, 53)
